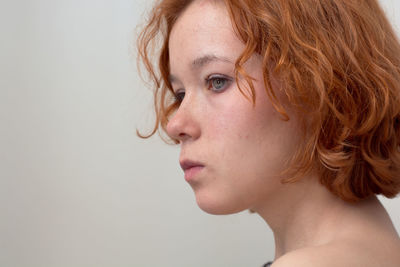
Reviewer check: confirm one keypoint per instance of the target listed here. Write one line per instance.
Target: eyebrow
(206, 59)
(202, 61)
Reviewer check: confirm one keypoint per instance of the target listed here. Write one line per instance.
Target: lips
(191, 168)
(187, 164)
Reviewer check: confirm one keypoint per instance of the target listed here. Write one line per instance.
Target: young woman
(290, 109)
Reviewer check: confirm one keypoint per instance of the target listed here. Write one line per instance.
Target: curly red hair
(339, 61)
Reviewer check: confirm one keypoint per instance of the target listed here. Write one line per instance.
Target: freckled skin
(242, 147)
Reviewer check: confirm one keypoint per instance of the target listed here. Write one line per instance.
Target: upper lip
(187, 164)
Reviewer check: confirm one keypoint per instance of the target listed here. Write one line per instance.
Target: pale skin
(243, 149)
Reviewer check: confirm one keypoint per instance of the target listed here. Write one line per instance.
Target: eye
(179, 95)
(217, 83)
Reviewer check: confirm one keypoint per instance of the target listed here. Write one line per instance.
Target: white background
(77, 187)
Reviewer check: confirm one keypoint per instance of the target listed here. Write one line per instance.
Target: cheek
(234, 123)
(231, 115)
(230, 125)
(251, 138)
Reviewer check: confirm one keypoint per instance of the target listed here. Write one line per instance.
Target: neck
(306, 214)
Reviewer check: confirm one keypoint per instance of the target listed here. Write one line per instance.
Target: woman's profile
(287, 108)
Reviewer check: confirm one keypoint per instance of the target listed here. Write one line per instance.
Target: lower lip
(192, 172)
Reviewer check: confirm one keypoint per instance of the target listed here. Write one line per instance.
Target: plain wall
(77, 187)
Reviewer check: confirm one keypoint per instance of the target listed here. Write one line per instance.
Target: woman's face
(241, 148)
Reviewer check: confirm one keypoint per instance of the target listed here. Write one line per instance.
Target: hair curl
(340, 63)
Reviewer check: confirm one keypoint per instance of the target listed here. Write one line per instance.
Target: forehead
(203, 28)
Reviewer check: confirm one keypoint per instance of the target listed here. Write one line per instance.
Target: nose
(184, 124)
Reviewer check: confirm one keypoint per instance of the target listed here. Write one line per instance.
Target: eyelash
(212, 78)
(180, 94)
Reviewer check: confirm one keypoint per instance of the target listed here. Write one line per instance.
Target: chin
(218, 206)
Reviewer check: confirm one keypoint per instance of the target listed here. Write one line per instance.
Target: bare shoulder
(307, 257)
(344, 253)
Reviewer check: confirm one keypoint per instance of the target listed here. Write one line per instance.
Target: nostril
(182, 136)
(174, 128)
(181, 125)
